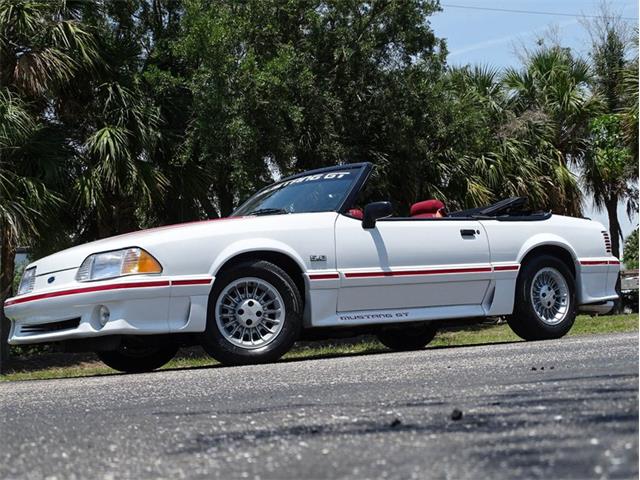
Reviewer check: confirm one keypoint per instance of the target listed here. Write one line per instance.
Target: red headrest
(356, 213)
(426, 207)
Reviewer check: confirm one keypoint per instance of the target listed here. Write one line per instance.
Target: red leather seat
(356, 213)
(426, 209)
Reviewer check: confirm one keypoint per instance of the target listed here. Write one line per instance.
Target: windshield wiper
(268, 211)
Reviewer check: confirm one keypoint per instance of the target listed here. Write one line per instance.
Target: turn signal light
(137, 260)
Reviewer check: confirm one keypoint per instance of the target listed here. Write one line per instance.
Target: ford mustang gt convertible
(301, 260)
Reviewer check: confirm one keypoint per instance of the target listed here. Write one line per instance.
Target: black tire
(407, 338)
(137, 356)
(227, 353)
(525, 322)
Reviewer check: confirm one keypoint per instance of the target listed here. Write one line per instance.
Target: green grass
(584, 325)
(474, 335)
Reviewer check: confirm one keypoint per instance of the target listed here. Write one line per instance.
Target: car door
(411, 263)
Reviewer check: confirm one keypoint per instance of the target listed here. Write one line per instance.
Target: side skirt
(390, 316)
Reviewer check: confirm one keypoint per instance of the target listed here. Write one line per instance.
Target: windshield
(321, 192)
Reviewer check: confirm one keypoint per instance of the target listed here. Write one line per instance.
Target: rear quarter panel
(596, 269)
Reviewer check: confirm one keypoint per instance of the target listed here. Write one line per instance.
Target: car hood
(73, 257)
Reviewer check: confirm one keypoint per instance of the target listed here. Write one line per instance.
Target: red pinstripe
(102, 288)
(418, 272)
(506, 268)
(324, 276)
(335, 276)
(197, 281)
(599, 262)
(96, 288)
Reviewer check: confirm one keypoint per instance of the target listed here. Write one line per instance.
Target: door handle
(468, 232)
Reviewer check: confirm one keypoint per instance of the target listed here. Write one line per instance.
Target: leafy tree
(281, 87)
(611, 168)
(610, 173)
(630, 257)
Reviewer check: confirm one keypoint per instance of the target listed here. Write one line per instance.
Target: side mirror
(374, 211)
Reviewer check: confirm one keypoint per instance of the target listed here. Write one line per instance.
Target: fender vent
(37, 328)
(607, 241)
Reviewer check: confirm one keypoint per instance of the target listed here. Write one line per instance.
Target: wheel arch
(554, 246)
(524, 321)
(274, 252)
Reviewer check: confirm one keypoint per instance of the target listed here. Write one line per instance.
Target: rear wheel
(255, 314)
(545, 301)
(135, 355)
(407, 338)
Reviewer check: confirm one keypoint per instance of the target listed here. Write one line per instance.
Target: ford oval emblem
(51, 279)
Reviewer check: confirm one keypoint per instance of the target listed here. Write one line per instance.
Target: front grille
(37, 328)
(607, 241)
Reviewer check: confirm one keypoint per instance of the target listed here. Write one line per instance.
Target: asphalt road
(556, 409)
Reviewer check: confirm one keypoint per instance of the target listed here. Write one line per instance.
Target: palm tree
(512, 155)
(23, 197)
(629, 109)
(610, 170)
(117, 176)
(553, 87)
(42, 47)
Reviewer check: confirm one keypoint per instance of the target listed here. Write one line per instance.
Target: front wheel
(135, 355)
(407, 338)
(545, 301)
(254, 316)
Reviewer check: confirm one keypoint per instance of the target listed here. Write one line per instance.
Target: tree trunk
(7, 267)
(225, 197)
(226, 203)
(614, 225)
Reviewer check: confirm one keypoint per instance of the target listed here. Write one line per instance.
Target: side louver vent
(607, 241)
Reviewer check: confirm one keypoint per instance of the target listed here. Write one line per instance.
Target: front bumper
(137, 306)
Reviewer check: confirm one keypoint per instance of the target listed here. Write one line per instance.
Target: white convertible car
(299, 259)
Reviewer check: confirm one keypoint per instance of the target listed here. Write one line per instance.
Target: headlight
(128, 261)
(28, 280)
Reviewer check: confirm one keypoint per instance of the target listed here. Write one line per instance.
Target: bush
(630, 255)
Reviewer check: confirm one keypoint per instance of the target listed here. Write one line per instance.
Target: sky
(476, 34)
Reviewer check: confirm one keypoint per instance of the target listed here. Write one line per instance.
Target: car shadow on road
(368, 352)
(386, 351)
(89, 361)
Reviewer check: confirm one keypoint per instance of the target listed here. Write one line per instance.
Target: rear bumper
(140, 306)
(596, 280)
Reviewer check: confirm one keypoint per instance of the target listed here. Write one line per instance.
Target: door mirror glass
(374, 211)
